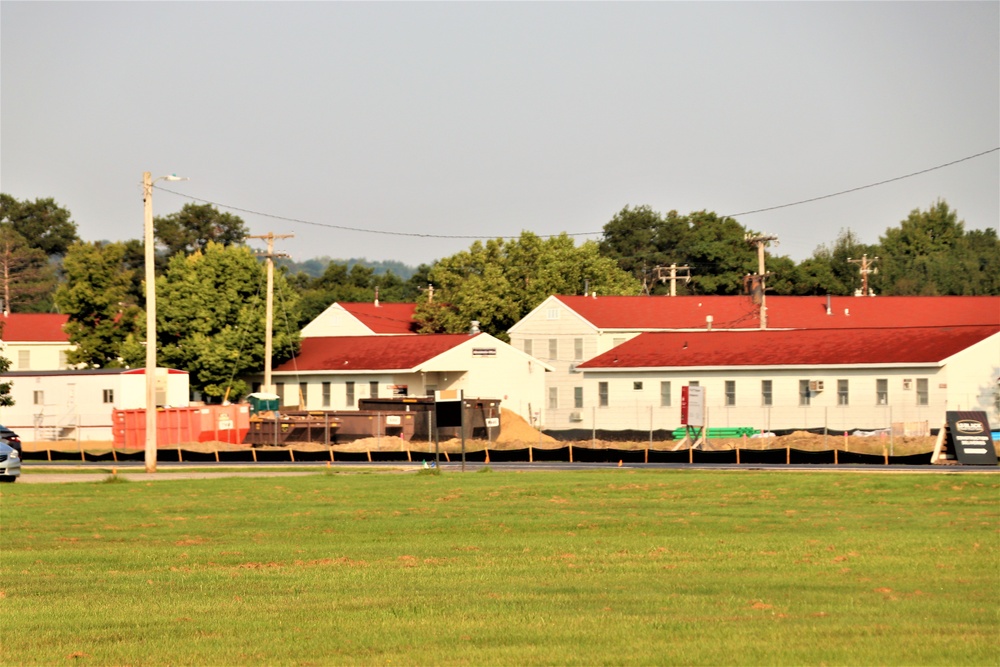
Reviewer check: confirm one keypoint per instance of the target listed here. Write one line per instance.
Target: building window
(108, 395)
(552, 314)
(553, 348)
(279, 389)
(843, 397)
(805, 397)
(303, 395)
(730, 392)
(694, 383)
(553, 398)
(39, 397)
(577, 397)
(882, 392)
(602, 394)
(766, 393)
(636, 386)
(23, 360)
(349, 397)
(326, 394)
(578, 349)
(373, 389)
(665, 394)
(527, 346)
(922, 391)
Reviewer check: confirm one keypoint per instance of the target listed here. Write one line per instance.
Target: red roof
(783, 312)
(370, 353)
(33, 328)
(385, 318)
(811, 347)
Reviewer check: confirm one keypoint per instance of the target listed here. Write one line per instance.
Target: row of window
(553, 348)
(807, 390)
(350, 393)
(24, 360)
(107, 395)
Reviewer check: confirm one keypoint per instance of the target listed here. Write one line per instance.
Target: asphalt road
(42, 473)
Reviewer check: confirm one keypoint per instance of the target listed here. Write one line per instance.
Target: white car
(10, 463)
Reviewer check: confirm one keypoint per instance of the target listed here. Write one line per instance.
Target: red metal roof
(810, 347)
(33, 328)
(370, 353)
(385, 318)
(783, 312)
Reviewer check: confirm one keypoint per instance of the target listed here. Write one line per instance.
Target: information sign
(692, 405)
(968, 438)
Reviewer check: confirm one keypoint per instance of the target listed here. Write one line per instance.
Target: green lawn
(608, 567)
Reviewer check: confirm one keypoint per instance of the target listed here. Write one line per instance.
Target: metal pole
(150, 258)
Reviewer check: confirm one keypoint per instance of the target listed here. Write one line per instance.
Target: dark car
(12, 438)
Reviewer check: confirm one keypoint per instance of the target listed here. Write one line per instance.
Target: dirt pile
(514, 429)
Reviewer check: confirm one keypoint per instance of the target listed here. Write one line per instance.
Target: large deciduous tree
(211, 318)
(105, 322)
(195, 226)
(930, 253)
(498, 282)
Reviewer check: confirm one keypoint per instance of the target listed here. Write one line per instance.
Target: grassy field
(579, 568)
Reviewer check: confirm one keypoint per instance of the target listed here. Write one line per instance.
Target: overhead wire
(597, 233)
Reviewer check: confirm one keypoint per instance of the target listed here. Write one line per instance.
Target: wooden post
(180, 455)
(330, 447)
(835, 461)
(291, 453)
(531, 455)
(254, 452)
(737, 456)
(216, 452)
(571, 452)
(788, 456)
(690, 454)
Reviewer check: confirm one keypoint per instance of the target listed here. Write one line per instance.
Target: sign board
(492, 422)
(393, 420)
(692, 405)
(448, 408)
(967, 438)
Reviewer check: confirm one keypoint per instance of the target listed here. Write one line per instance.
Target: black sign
(969, 438)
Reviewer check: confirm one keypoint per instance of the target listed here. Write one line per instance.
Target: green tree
(211, 318)
(930, 253)
(195, 226)
(43, 223)
(27, 280)
(105, 321)
(6, 400)
(498, 282)
(340, 283)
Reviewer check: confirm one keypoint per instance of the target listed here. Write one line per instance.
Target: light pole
(147, 200)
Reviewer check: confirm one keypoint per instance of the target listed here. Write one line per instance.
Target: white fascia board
(478, 341)
(548, 303)
(355, 371)
(800, 367)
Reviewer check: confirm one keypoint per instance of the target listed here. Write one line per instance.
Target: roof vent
(474, 327)
(708, 322)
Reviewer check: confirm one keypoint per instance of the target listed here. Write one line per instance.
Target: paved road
(135, 472)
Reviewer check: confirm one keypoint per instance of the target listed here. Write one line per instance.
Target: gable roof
(810, 347)
(346, 354)
(384, 318)
(33, 328)
(646, 313)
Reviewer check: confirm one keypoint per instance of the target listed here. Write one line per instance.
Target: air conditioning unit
(815, 385)
(575, 417)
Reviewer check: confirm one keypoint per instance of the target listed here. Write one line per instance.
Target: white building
(576, 334)
(35, 341)
(334, 372)
(78, 404)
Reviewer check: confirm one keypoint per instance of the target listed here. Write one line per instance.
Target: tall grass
(611, 567)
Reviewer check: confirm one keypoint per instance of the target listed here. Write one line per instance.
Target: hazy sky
(486, 119)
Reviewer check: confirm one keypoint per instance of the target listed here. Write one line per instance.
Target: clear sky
(486, 119)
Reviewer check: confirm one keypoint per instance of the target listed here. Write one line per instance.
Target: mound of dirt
(513, 428)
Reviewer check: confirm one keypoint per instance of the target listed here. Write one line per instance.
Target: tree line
(210, 284)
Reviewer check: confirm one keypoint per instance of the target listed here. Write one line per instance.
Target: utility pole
(761, 242)
(865, 270)
(270, 255)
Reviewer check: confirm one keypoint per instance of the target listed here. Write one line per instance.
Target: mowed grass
(580, 568)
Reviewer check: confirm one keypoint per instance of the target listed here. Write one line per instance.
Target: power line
(470, 237)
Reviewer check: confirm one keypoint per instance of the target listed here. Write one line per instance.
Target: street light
(147, 200)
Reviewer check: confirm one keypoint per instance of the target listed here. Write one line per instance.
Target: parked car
(12, 438)
(10, 463)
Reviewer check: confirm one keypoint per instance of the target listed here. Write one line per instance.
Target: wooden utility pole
(671, 275)
(865, 269)
(270, 255)
(761, 242)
